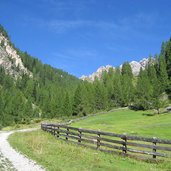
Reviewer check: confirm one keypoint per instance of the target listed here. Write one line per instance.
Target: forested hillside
(39, 90)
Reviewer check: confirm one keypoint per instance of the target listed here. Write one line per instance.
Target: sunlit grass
(141, 123)
(57, 155)
(35, 123)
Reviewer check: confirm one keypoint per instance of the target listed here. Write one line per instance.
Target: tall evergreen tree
(168, 57)
(101, 101)
(67, 107)
(163, 77)
(78, 106)
(127, 84)
(143, 91)
(116, 94)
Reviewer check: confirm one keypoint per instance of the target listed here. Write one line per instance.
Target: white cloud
(138, 25)
(60, 26)
(76, 55)
(130, 23)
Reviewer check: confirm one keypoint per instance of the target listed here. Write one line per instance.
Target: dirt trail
(12, 160)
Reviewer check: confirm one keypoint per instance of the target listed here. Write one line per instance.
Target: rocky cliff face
(136, 66)
(96, 74)
(10, 60)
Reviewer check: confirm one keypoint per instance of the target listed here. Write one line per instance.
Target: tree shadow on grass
(148, 114)
(156, 114)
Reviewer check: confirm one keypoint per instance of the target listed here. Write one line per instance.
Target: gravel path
(11, 160)
(5, 164)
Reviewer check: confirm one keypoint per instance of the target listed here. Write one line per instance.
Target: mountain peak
(96, 74)
(135, 65)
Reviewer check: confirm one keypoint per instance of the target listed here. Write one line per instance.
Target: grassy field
(57, 155)
(35, 123)
(142, 123)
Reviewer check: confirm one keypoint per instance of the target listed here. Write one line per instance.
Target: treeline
(151, 89)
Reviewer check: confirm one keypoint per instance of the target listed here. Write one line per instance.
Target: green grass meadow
(58, 155)
(142, 123)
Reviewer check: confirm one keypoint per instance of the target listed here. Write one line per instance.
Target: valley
(56, 154)
(85, 85)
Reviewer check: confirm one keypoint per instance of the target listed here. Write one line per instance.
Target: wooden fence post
(79, 136)
(54, 130)
(51, 129)
(154, 148)
(67, 133)
(58, 132)
(124, 150)
(98, 141)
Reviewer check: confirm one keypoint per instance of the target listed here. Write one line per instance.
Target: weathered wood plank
(147, 152)
(111, 146)
(111, 141)
(89, 136)
(149, 146)
(69, 136)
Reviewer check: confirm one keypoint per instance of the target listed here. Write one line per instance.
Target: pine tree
(157, 88)
(166, 54)
(163, 77)
(168, 57)
(116, 94)
(144, 91)
(108, 83)
(101, 101)
(67, 105)
(152, 76)
(78, 108)
(127, 70)
(127, 85)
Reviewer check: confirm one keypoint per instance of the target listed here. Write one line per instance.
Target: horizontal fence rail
(111, 142)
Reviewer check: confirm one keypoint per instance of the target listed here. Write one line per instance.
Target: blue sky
(79, 36)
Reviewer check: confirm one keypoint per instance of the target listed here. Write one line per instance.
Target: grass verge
(35, 123)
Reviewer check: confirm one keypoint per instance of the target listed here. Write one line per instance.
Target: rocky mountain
(136, 66)
(97, 74)
(10, 60)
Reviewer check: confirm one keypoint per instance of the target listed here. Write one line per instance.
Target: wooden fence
(110, 142)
